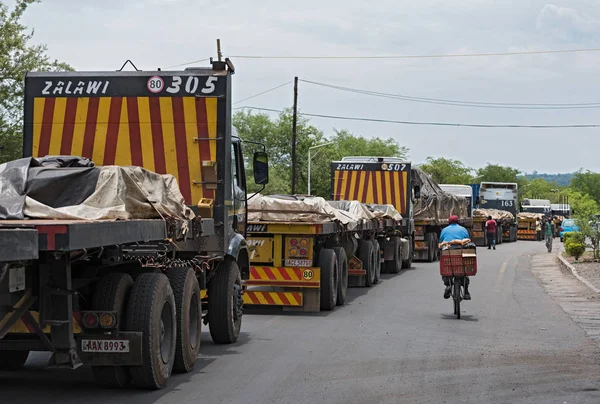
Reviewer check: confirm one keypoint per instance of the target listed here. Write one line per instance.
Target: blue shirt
(453, 232)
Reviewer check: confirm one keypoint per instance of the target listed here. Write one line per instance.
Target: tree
(17, 57)
(276, 135)
(447, 171)
(587, 182)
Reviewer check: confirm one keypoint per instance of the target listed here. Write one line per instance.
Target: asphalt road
(397, 342)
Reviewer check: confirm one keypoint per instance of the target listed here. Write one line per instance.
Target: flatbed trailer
(303, 266)
(129, 297)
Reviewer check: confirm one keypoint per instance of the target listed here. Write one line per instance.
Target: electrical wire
(420, 56)
(264, 92)
(470, 125)
(475, 104)
(188, 63)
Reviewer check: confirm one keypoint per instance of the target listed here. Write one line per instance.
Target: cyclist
(452, 232)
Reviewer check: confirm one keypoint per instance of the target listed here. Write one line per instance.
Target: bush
(573, 237)
(575, 249)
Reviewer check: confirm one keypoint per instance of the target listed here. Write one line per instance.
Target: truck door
(239, 188)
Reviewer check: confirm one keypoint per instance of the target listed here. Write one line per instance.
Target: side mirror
(261, 168)
(417, 190)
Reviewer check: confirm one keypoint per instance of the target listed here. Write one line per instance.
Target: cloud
(567, 24)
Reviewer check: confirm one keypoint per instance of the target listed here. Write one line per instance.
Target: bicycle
(458, 293)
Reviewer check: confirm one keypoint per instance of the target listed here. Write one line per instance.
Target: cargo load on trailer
(431, 213)
(116, 258)
(528, 225)
(504, 219)
(306, 251)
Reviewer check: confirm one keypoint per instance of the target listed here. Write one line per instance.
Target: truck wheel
(13, 360)
(408, 263)
(430, 240)
(151, 311)
(366, 254)
(342, 264)
(112, 294)
(377, 262)
(225, 303)
(395, 265)
(329, 278)
(189, 317)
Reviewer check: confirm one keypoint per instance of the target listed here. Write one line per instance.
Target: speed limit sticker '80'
(155, 84)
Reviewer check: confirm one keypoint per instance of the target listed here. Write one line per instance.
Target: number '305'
(192, 84)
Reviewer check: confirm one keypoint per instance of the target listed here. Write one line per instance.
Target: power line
(264, 92)
(420, 56)
(477, 104)
(470, 125)
(188, 63)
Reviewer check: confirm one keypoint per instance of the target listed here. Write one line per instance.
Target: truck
(432, 211)
(306, 251)
(117, 262)
(466, 191)
(502, 196)
(380, 181)
(542, 206)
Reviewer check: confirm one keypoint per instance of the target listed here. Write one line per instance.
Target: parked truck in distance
(381, 181)
(502, 196)
(466, 191)
(127, 296)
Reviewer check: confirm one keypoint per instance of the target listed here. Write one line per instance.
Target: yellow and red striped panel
(285, 276)
(273, 298)
(23, 326)
(156, 133)
(378, 187)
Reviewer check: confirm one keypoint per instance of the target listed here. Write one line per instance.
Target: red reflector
(561, 229)
(90, 320)
(303, 252)
(294, 241)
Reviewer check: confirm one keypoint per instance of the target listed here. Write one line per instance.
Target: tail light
(298, 247)
(99, 319)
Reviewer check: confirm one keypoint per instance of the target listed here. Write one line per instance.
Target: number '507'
(192, 84)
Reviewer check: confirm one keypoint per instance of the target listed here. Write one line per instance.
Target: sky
(164, 33)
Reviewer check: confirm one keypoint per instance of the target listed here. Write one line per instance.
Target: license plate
(298, 263)
(105, 345)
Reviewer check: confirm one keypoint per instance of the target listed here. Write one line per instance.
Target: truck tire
(329, 278)
(151, 311)
(342, 264)
(13, 360)
(429, 241)
(112, 293)
(395, 265)
(189, 317)
(377, 272)
(366, 254)
(408, 263)
(225, 303)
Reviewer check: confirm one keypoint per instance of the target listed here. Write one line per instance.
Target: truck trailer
(502, 196)
(124, 287)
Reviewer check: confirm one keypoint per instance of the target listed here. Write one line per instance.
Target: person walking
(490, 229)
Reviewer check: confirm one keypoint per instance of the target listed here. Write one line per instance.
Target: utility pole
(294, 121)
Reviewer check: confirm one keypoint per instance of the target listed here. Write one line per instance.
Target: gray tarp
(435, 204)
(385, 211)
(71, 188)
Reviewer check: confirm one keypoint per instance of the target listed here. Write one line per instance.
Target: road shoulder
(576, 298)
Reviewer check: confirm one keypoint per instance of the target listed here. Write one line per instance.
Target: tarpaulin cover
(358, 209)
(530, 215)
(289, 209)
(494, 213)
(436, 205)
(73, 189)
(385, 211)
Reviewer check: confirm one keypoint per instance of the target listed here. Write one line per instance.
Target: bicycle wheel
(457, 297)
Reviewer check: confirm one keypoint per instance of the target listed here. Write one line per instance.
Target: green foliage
(276, 135)
(498, 173)
(587, 183)
(17, 57)
(583, 206)
(574, 236)
(575, 249)
(562, 180)
(447, 171)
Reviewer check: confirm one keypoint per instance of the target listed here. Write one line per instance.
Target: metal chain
(162, 261)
